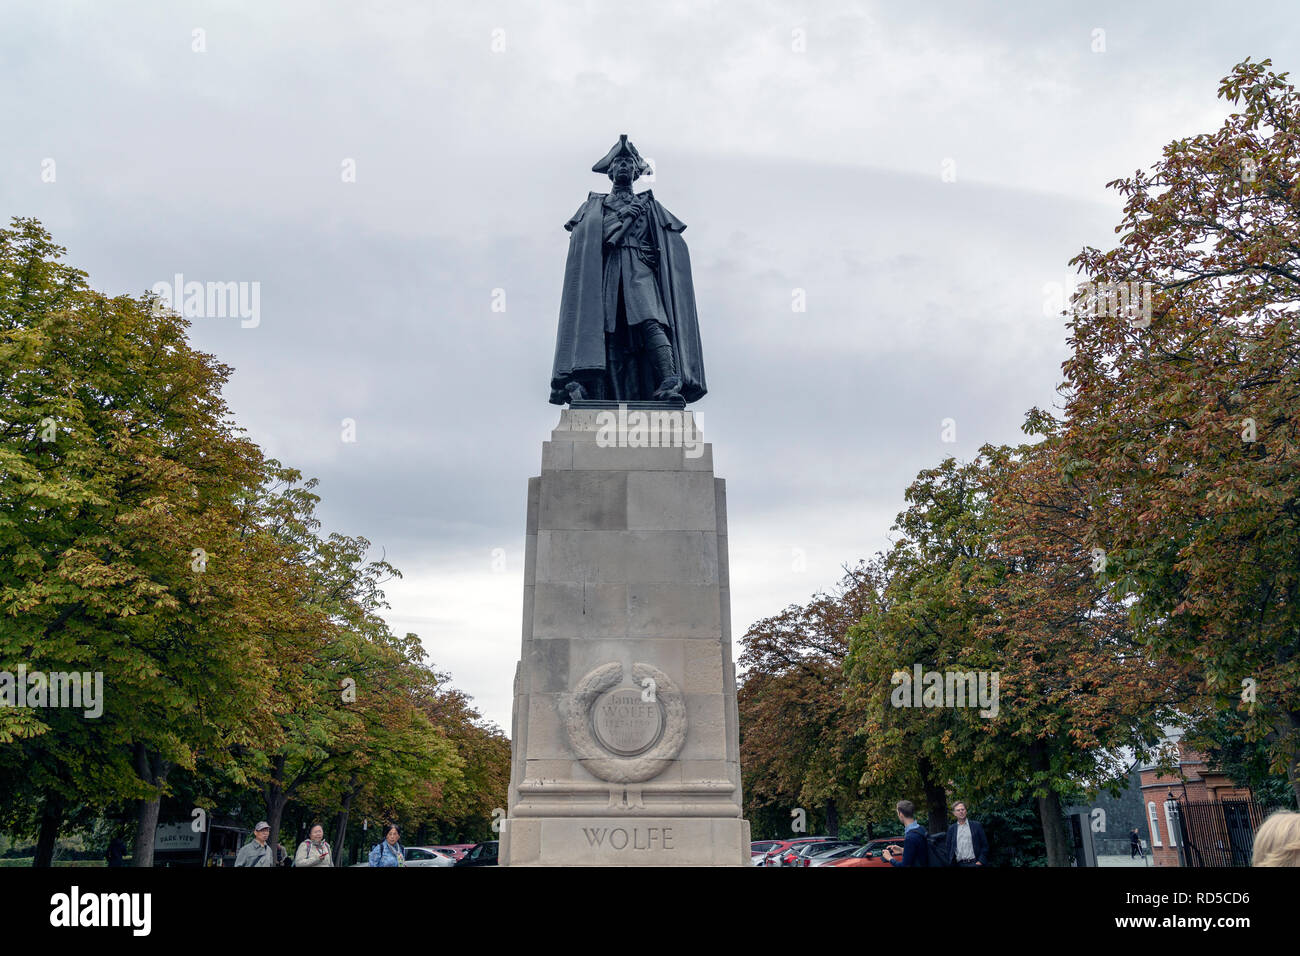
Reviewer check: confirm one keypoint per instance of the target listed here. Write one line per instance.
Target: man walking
(966, 840)
(256, 852)
(915, 851)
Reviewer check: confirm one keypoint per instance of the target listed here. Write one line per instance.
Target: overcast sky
(922, 171)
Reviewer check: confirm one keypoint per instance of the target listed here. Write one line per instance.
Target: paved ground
(1123, 861)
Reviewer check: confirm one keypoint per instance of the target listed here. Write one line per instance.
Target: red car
(869, 854)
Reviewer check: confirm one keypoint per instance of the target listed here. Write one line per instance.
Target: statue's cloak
(580, 339)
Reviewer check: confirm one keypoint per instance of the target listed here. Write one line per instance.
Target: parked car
(758, 851)
(784, 853)
(773, 856)
(869, 854)
(456, 851)
(428, 856)
(822, 856)
(791, 855)
(481, 854)
(803, 854)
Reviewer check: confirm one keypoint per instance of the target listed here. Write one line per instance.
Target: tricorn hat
(622, 148)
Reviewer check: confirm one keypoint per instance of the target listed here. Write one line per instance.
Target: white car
(428, 856)
(422, 856)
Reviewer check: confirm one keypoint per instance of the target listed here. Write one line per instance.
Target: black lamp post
(1174, 817)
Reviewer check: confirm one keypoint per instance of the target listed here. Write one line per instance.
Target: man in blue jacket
(915, 851)
(967, 844)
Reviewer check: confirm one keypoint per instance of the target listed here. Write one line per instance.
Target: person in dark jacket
(116, 852)
(915, 850)
(967, 844)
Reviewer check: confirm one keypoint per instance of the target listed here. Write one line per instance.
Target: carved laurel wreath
(596, 758)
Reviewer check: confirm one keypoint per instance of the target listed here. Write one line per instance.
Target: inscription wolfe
(638, 838)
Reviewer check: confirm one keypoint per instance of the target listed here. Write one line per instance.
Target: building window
(1169, 821)
(1154, 820)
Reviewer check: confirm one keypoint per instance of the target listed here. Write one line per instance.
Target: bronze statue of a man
(627, 330)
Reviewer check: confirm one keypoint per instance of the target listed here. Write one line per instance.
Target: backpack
(307, 843)
(937, 848)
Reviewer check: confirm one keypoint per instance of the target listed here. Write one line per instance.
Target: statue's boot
(670, 385)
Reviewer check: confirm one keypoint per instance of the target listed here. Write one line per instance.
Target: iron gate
(1215, 834)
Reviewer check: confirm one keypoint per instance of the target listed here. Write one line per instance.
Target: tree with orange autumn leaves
(1135, 565)
(988, 575)
(1184, 420)
(1080, 694)
(797, 749)
(991, 577)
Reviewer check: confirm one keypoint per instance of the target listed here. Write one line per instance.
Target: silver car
(809, 852)
(836, 853)
(428, 856)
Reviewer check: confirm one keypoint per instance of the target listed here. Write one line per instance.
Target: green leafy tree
(929, 608)
(119, 478)
(347, 690)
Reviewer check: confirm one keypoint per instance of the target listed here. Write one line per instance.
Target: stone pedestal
(624, 742)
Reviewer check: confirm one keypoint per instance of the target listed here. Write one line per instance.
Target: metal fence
(1218, 833)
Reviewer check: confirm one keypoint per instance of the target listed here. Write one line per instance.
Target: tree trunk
(51, 819)
(146, 829)
(936, 797)
(275, 811)
(832, 819)
(1055, 835)
(341, 824)
(275, 799)
(154, 773)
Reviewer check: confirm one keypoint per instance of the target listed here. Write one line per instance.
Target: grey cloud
(818, 171)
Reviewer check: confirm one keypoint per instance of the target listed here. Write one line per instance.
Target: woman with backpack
(388, 851)
(313, 851)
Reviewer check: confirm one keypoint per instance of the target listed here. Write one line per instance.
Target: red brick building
(1208, 821)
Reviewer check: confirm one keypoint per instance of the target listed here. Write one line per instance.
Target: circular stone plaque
(624, 723)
